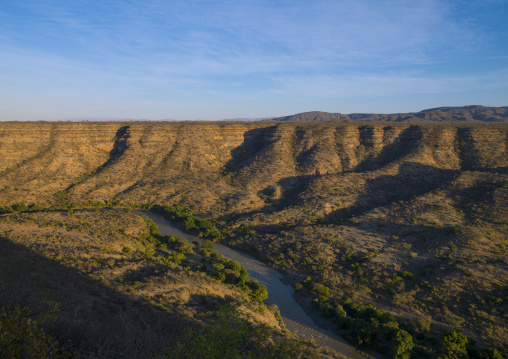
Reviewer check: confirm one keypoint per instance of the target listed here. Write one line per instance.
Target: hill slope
(105, 284)
(411, 218)
(466, 114)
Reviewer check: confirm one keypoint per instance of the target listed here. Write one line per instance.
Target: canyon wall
(217, 166)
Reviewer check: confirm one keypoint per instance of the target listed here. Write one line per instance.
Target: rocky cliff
(220, 166)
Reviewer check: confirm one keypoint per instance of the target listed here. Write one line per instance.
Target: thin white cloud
(324, 34)
(376, 85)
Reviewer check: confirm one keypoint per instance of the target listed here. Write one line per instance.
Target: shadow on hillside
(498, 170)
(291, 187)
(119, 147)
(485, 200)
(414, 233)
(277, 197)
(405, 142)
(92, 317)
(412, 180)
(118, 150)
(244, 155)
(424, 242)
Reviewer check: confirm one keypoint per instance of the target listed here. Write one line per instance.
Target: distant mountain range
(467, 114)
(247, 119)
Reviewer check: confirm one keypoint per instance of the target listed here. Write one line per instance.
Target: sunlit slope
(471, 114)
(352, 206)
(219, 166)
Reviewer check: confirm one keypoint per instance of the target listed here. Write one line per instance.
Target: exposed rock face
(215, 166)
(464, 114)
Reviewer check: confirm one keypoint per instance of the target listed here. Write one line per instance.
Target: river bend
(294, 316)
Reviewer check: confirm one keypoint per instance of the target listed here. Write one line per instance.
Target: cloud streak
(357, 85)
(326, 34)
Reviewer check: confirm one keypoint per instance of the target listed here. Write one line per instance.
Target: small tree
(178, 258)
(454, 346)
(208, 244)
(403, 345)
(24, 337)
(20, 207)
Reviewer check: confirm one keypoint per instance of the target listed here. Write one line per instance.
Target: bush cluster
(367, 327)
(22, 337)
(187, 217)
(230, 335)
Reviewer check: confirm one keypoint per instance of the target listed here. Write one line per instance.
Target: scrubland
(393, 234)
(106, 284)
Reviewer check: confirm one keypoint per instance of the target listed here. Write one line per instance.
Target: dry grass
(352, 205)
(111, 290)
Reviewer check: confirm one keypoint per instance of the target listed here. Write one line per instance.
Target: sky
(213, 60)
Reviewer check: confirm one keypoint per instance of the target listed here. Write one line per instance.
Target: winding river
(294, 316)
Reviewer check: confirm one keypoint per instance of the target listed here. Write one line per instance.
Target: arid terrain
(388, 231)
(466, 114)
(105, 284)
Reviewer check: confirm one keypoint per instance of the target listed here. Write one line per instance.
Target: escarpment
(218, 165)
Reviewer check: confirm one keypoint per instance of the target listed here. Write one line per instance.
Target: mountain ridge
(464, 114)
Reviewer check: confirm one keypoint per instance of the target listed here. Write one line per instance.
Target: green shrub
(307, 261)
(229, 335)
(152, 227)
(320, 289)
(407, 275)
(257, 291)
(189, 223)
(220, 276)
(20, 207)
(219, 266)
(243, 273)
(178, 258)
(454, 345)
(5, 210)
(355, 266)
(208, 244)
(281, 263)
(494, 300)
(22, 337)
(340, 312)
(360, 332)
(203, 223)
(323, 298)
(179, 244)
(233, 265)
(403, 345)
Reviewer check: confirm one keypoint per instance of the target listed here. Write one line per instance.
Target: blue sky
(211, 60)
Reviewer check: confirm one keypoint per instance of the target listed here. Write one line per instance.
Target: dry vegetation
(409, 218)
(106, 285)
